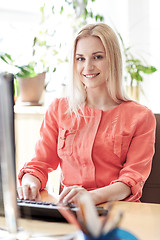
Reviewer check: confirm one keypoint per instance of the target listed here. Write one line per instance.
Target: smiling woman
(94, 134)
(97, 62)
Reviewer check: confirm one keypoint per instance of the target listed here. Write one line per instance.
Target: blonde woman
(103, 142)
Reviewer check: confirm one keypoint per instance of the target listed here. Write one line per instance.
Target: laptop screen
(8, 196)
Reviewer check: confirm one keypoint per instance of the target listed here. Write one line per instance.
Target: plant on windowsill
(29, 80)
(135, 69)
(52, 47)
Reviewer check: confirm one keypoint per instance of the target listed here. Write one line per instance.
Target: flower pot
(31, 89)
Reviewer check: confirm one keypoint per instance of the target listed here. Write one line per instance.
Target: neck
(104, 107)
(100, 99)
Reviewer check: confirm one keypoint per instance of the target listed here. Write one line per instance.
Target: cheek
(78, 68)
(105, 69)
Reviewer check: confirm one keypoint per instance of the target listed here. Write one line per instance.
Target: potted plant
(28, 83)
(29, 77)
(30, 72)
(135, 68)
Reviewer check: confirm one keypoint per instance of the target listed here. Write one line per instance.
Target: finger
(73, 195)
(74, 200)
(33, 192)
(26, 192)
(69, 197)
(20, 192)
(65, 191)
(38, 198)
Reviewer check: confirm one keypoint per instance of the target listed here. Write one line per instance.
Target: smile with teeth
(90, 75)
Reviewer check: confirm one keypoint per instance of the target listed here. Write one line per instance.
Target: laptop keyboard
(46, 211)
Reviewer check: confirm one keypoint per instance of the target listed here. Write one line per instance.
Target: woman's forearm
(114, 192)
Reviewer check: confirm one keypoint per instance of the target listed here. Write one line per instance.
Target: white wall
(138, 23)
(144, 35)
(154, 85)
(18, 23)
(115, 14)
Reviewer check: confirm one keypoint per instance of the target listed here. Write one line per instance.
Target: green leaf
(7, 58)
(42, 9)
(33, 52)
(16, 87)
(69, 2)
(54, 69)
(53, 9)
(26, 71)
(35, 41)
(101, 18)
(47, 69)
(146, 69)
(133, 61)
(91, 14)
(136, 76)
(139, 77)
(85, 14)
(85, 2)
(128, 48)
(98, 17)
(42, 43)
(74, 4)
(61, 11)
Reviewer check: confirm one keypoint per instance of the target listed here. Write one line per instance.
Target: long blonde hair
(113, 53)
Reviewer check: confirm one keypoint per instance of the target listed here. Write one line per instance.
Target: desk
(142, 219)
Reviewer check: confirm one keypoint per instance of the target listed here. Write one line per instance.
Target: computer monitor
(8, 192)
(8, 197)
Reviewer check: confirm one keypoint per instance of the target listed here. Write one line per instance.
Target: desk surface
(142, 219)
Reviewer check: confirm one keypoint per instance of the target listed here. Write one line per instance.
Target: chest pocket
(121, 145)
(65, 141)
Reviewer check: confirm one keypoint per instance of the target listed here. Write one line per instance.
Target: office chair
(151, 189)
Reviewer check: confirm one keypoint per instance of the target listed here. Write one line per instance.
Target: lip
(91, 75)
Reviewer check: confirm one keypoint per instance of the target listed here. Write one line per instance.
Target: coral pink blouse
(106, 147)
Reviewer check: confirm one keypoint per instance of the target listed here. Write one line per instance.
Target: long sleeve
(137, 166)
(46, 158)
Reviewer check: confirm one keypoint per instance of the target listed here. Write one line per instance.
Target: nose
(89, 65)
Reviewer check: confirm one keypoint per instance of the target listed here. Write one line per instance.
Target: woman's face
(91, 62)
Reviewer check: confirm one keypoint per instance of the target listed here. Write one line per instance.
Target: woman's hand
(29, 190)
(114, 192)
(70, 194)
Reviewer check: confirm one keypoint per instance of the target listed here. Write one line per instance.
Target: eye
(80, 59)
(98, 57)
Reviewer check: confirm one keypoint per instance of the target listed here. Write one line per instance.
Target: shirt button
(141, 183)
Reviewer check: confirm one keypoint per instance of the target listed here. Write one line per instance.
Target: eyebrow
(92, 53)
